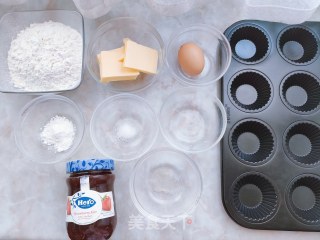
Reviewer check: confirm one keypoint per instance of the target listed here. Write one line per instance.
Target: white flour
(58, 133)
(46, 57)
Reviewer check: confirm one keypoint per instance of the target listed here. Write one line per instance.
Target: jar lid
(89, 165)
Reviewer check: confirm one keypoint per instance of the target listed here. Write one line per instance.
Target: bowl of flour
(41, 51)
(49, 129)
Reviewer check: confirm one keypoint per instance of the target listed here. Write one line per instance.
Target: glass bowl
(110, 35)
(12, 23)
(216, 48)
(193, 119)
(124, 127)
(165, 186)
(288, 12)
(171, 7)
(94, 9)
(35, 115)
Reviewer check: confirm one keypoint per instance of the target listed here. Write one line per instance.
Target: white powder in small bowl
(58, 134)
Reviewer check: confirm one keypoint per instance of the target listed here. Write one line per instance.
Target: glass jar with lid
(90, 210)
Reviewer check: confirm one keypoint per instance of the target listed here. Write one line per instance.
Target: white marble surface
(33, 196)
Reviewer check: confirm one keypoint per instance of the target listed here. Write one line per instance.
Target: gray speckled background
(33, 196)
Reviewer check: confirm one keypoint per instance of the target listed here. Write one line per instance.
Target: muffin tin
(271, 149)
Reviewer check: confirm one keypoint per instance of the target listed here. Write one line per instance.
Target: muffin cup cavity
(298, 45)
(302, 143)
(250, 43)
(303, 199)
(252, 141)
(254, 198)
(300, 92)
(250, 91)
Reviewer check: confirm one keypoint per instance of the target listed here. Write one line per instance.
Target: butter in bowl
(125, 55)
(127, 62)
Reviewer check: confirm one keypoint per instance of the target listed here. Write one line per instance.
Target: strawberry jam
(90, 213)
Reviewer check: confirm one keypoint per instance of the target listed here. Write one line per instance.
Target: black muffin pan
(271, 148)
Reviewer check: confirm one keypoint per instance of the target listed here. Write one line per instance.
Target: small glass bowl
(35, 115)
(14, 22)
(216, 49)
(110, 35)
(94, 9)
(171, 7)
(124, 127)
(193, 119)
(166, 186)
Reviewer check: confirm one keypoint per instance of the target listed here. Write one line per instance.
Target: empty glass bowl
(193, 119)
(216, 48)
(124, 127)
(171, 7)
(166, 186)
(94, 8)
(110, 35)
(35, 115)
(14, 22)
(288, 12)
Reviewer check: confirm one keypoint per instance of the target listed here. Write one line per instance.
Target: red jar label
(87, 206)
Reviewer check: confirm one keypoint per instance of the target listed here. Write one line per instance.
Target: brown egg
(191, 59)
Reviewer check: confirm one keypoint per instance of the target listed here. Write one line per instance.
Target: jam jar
(91, 213)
